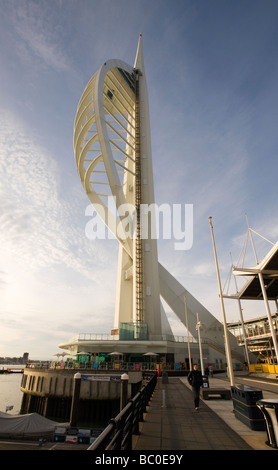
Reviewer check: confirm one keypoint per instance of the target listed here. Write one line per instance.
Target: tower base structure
(166, 353)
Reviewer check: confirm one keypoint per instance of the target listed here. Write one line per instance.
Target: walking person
(195, 379)
(211, 371)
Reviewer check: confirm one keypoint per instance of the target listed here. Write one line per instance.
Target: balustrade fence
(118, 434)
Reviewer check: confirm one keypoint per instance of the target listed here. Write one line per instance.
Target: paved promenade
(172, 423)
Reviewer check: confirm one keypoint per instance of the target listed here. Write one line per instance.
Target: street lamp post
(188, 339)
(198, 328)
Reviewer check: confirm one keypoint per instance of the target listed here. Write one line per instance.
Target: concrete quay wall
(59, 382)
(49, 391)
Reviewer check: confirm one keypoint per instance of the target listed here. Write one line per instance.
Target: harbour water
(10, 393)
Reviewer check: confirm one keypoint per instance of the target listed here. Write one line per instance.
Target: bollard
(124, 385)
(75, 400)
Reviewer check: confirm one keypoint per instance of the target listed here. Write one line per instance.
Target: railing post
(124, 387)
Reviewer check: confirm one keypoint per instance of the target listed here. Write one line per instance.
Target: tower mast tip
(139, 61)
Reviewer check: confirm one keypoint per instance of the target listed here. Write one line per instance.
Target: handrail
(118, 434)
(87, 337)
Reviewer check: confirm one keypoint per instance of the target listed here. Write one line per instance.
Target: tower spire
(139, 61)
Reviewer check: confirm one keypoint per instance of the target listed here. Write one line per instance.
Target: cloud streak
(49, 270)
(35, 221)
(38, 35)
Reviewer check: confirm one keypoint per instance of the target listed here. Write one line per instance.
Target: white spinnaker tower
(112, 145)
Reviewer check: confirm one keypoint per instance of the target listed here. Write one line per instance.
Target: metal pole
(273, 333)
(75, 400)
(188, 342)
(243, 333)
(228, 349)
(242, 325)
(242, 321)
(253, 246)
(198, 328)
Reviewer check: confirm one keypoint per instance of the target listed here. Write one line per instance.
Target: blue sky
(212, 75)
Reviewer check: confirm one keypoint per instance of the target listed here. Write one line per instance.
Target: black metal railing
(118, 434)
(94, 367)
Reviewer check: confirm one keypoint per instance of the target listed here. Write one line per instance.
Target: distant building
(25, 357)
(15, 360)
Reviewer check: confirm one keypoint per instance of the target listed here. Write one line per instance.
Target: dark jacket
(195, 378)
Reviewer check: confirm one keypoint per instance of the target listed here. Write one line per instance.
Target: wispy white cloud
(38, 35)
(35, 221)
(49, 269)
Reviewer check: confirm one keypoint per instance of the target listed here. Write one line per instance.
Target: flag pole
(188, 341)
(228, 349)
